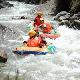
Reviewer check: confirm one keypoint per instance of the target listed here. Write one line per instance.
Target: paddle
(52, 49)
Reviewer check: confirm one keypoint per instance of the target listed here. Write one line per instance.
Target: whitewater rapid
(64, 64)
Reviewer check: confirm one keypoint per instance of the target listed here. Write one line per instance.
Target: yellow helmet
(32, 33)
(39, 13)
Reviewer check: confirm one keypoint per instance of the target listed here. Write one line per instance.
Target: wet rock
(5, 4)
(3, 55)
(64, 18)
(9, 5)
(74, 21)
(62, 15)
(77, 24)
(1, 6)
(22, 17)
(18, 17)
(76, 16)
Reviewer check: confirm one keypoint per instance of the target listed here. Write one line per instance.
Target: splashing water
(62, 65)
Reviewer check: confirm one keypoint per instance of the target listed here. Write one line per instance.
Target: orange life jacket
(48, 27)
(33, 42)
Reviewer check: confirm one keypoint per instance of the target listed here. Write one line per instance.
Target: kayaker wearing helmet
(45, 27)
(34, 41)
(37, 19)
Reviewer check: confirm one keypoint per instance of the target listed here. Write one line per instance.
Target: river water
(64, 64)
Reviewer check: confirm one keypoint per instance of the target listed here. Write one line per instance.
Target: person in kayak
(35, 41)
(45, 27)
(37, 21)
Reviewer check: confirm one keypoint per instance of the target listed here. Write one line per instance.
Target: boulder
(3, 55)
(62, 15)
(77, 24)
